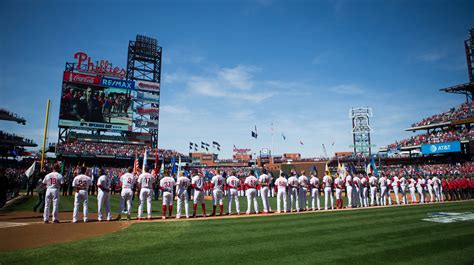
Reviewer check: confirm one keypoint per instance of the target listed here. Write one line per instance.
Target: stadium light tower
(361, 130)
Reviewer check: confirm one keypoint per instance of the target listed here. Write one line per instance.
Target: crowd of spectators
(8, 115)
(443, 170)
(460, 112)
(112, 149)
(438, 136)
(14, 138)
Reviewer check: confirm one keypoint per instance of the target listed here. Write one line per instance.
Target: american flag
(136, 166)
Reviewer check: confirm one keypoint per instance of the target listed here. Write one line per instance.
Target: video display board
(89, 101)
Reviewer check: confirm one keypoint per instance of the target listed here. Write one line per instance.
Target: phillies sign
(81, 79)
(85, 64)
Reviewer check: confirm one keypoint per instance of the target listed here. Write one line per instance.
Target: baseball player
(436, 188)
(429, 185)
(403, 183)
(373, 189)
(281, 184)
(349, 188)
(167, 185)
(81, 184)
(53, 182)
(383, 190)
(293, 185)
(127, 182)
(395, 186)
(103, 196)
(197, 182)
(264, 182)
(327, 186)
(364, 184)
(182, 185)
(314, 183)
(338, 184)
(217, 186)
(356, 191)
(420, 188)
(251, 185)
(146, 181)
(411, 187)
(303, 182)
(233, 184)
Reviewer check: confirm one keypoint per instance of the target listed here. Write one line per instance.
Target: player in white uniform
(81, 184)
(349, 188)
(127, 181)
(217, 186)
(146, 182)
(429, 185)
(356, 191)
(436, 188)
(281, 184)
(251, 184)
(197, 182)
(327, 186)
(103, 196)
(411, 187)
(293, 184)
(364, 184)
(303, 191)
(182, 185)
(53, 182)
(383, 190)
(338, 184)
(373, 189)
(395, 186)
(403, 189)
(167, 186)
(420, 188)
(314, 183)
(233, 184)
(264, 182)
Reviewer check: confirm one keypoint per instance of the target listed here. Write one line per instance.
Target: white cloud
(347, 89)
(175, 109)
(431, 57)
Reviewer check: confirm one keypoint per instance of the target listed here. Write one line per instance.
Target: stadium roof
(465, 89)
(9, 116)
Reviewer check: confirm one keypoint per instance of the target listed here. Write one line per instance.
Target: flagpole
(45, 133)
(271, 154)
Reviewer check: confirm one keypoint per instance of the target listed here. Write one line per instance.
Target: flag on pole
(254, 133)
(327, 170)
(284, 137)
(374, 168)
(136, 165)
(145, 158)
(29, 172)
(179, 166)
(301, 142)
(173, 165)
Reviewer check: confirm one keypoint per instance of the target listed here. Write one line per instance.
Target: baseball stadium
(99, 172)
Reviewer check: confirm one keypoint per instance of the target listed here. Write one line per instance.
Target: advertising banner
(146, 123)
(117, 83)
(147, 86)
(149, 111)
(447, 147)
(81, 78)
(148, 97)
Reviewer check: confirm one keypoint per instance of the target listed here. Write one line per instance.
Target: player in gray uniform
(182, 185)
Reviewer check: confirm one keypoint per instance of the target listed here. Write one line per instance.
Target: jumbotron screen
(87, 104)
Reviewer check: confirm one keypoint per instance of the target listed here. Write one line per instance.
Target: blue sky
(230, 65)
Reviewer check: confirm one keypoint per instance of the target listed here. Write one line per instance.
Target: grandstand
(13, 145)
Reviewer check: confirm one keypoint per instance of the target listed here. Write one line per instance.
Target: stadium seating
(460, 112)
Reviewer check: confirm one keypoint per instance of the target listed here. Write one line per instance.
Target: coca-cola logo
(83, 79)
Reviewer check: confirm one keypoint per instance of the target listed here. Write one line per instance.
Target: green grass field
(388, 235)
